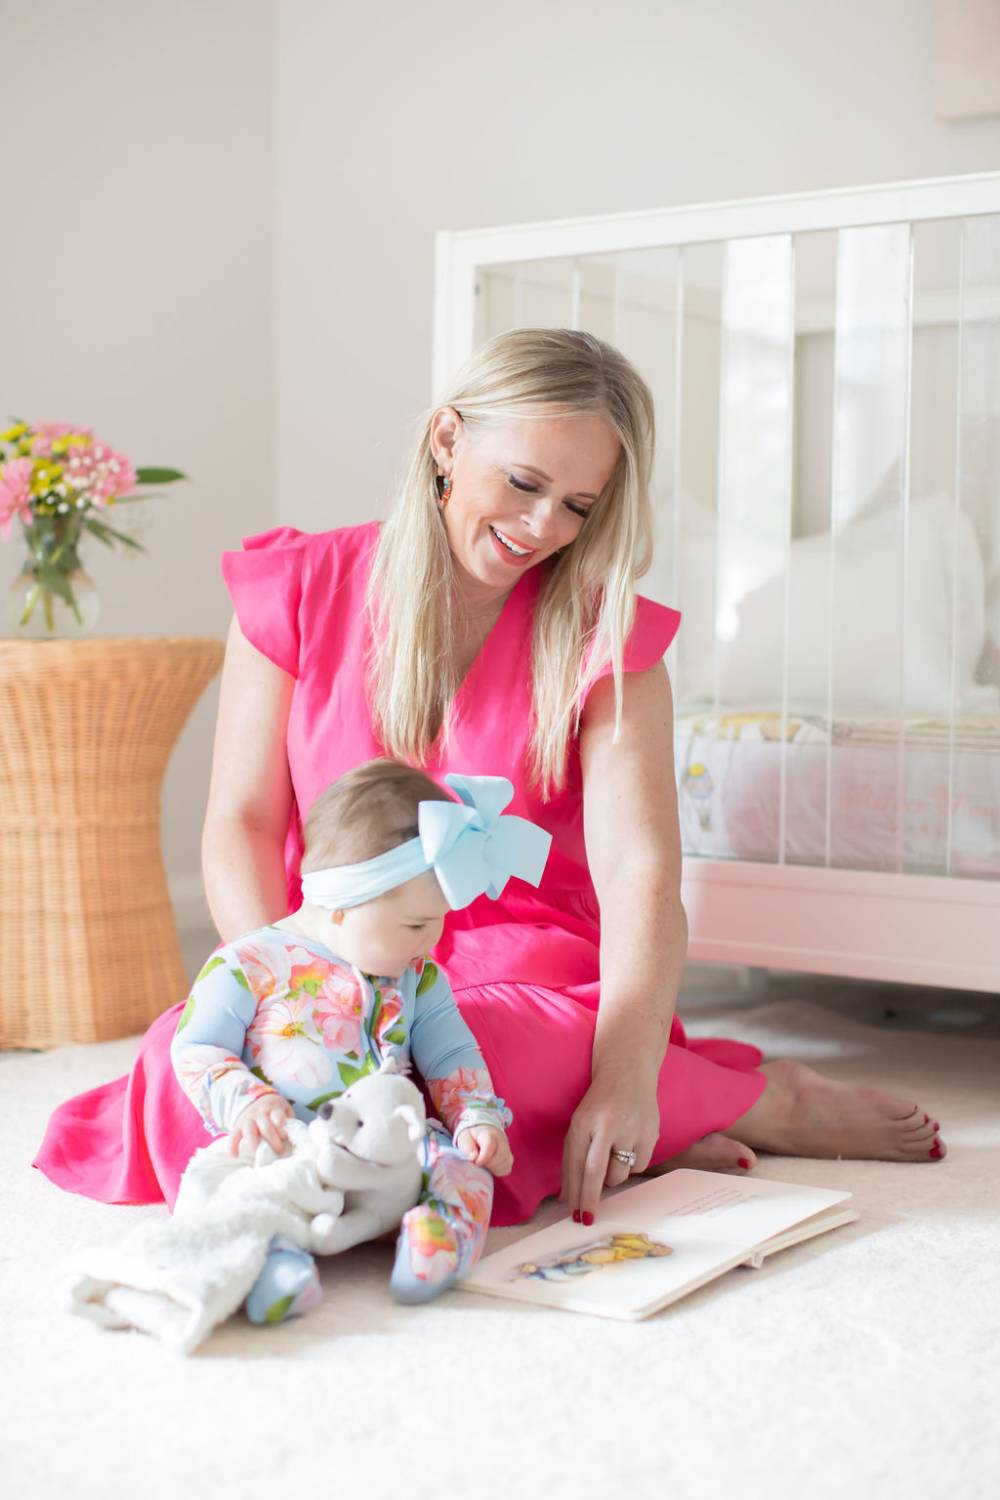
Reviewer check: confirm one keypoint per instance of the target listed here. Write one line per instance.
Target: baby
(291, 1015)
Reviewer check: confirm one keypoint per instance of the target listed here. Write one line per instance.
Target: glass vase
(53, 598)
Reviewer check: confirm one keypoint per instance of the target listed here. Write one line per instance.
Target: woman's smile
(512, 552)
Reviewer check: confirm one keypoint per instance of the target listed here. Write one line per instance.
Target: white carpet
(863, 1365)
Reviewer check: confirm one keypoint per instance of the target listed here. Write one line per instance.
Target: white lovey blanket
(175, 1278)
(342, 1182)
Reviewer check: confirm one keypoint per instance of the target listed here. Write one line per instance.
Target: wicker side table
(87, 934)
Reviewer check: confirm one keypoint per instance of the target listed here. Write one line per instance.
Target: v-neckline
(519, 591)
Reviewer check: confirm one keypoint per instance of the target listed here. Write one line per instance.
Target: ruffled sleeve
(653, 629)
(265, 583)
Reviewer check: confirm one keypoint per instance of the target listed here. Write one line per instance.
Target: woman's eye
(579, 510)
(518, 484)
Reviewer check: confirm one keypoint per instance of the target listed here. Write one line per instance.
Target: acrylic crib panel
(836, 674)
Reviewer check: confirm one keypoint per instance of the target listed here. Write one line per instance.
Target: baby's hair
(366, 812)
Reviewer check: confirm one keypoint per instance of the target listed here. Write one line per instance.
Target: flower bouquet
(60, 481)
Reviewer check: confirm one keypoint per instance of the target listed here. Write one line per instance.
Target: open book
(658, 1241)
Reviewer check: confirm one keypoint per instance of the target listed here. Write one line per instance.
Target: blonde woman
(491, 626)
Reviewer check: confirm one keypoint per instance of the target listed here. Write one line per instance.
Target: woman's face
(521, 491)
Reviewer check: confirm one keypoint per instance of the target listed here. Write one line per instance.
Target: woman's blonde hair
(587, 599)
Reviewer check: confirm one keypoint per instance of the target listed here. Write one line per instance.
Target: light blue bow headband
(468, 845)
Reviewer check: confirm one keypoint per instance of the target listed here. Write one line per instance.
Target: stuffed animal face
(380, 1119)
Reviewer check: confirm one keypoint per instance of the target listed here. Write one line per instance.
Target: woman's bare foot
(713, 1153)
(800, 1113)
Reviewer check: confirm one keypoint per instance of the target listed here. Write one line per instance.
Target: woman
(491, 626)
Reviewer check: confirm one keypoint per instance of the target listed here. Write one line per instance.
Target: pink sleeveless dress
(524, 969)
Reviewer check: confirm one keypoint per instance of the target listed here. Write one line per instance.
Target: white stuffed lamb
(350, 1176)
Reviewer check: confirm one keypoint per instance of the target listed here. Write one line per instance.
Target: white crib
(826, 370)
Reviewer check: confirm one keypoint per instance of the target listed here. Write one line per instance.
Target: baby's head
(365, 813)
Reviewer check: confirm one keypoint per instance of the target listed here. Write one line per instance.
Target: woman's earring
(446, 489)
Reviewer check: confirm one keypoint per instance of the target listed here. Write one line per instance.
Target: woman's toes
(713, 1153)
(919, 1147)
(925, 1129)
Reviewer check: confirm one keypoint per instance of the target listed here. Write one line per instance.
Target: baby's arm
(458, 1081)
(206, 1055)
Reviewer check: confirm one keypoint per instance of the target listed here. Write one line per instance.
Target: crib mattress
(853, 798)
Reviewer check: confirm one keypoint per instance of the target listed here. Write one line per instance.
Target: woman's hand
(618, 1110)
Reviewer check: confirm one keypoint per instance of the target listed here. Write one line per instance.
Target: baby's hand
(263, 1120)
(487, 1147)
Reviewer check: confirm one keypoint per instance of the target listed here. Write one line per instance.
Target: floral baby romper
(277, 1013)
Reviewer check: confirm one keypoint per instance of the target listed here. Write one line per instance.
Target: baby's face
(388, 934)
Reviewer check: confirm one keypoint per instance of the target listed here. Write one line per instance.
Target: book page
(650, 1243)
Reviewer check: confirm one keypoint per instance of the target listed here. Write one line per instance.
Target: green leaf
(186, 1013)
(311, 987)
(278, 1311)
(213, 963)
(351, 1075)
(397, 1035)
(314, 1104)
(108, 534)
(258, 1072)
(427, 978)
(158, 476)
(241, 978)
(149, 495)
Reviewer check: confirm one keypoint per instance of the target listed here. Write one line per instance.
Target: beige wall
(182, 151)
(137, 267)
(397, 120)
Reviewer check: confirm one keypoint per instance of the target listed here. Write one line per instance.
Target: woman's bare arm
(250, 793)
(633, 848)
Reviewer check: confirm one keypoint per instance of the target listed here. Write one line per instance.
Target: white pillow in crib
(867, 636)
(694, 595)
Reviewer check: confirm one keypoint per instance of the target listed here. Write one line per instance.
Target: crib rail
(826, 371)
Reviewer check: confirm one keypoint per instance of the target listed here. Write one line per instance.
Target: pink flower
(266, 967)
(99, 473)
(338, 1011)
(46, 433)
(285, 1044)
(454, 1092)
(392, 1009)
(15, 493)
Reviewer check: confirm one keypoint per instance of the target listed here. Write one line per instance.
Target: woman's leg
(801, 1113)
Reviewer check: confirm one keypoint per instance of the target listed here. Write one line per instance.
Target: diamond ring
(627, 1158)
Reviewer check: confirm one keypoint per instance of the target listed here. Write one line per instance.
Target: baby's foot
(803, 1114)
(713, 1153)
(427, 1256)
(288, 1285)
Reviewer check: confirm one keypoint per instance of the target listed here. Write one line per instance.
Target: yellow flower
(13, 433)
(75, 440)
(45, 477)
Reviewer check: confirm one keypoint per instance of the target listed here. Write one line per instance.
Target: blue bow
(473, 850)
(469, 846)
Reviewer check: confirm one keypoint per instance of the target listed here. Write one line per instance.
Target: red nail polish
(745, 1163)
(927, 1119)
(576, 1216)
(936, 1151)
(588, 1218)
(936, 1125)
